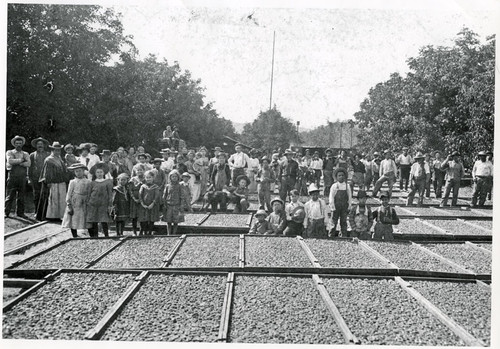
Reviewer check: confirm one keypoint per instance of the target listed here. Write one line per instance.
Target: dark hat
(166, 150)
(384, 194)
(265, 158)
(338, 170)
(361, 194)
(83, 146)
(13, 140)
(69, 145)
(55, 145)
(36, 140)
(489, 152)
(106, 152)
(77, 165)
(240, 177)
(482, 153)
(100, 165)
(277, 200)
(157, 160)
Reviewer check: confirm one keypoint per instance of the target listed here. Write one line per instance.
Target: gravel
(342, 254)
(173, 308)
(267, 251)
(192, 218)
(138, 253)
(485, 224)
(227, 220)
(486, 245)
(457, 227)
(33, 234)
(280, 310)
(469, 257)
(380, 312)
(413, 226)
(208, 251)
(467, 303)
(429, 211)
(407, 256)
(65, 308)
(72, 254)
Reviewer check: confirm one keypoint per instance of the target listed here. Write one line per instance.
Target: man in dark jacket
(289, 170)
(220, 178)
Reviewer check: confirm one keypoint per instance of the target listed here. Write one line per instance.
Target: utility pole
(272, 73)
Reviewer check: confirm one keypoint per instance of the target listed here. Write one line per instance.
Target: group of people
(84, 187)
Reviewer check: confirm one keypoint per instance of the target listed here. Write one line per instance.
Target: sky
(326, 59)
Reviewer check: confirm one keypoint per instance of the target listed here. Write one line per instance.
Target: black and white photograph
(249, 173)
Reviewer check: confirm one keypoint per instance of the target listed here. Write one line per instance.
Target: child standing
(240, 195)
(340, 201)
(361, 218)
(295, 215)
(175, 203)
(76, 200)
(70, 158)
(134, 185)
(261, 226)
(121, 203)
(100, 199)
(160, 177)
(277, 218)
(265, 177)
(316, 216)
(385, 217)
(149, 196)
(187, 191)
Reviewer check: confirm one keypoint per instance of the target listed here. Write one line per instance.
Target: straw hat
(13, 140)
(36, 140)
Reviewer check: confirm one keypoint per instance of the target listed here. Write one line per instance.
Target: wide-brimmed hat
(277, 200)
(289, 152)
(387, 151)
(328, 150)
(384, 194)
(418, 155)
(376, 153)
(101, 165)
(312, 188)
(240, 177)
(69, 145)
(361, 194)
(265, 158)
(13, 140)
(83, 146)
(338, 170)
(76, 166)
(482, 153)
(157, 160)
(94, 145)
(39, 139)
(106, 152)
(260, 213)
(56, 145)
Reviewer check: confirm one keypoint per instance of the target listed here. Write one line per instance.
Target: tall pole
(272, 73)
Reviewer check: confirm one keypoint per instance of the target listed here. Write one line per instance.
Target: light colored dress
(77, 195)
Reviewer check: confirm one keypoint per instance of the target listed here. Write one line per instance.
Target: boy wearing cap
(482, 174)
(316, 216)
(340, 201)
(454, 173)
(419, 177)
(361, 218)
(385, 217)
(18, 162)
(277, 218)
(260, 225)
(387, 173)
(37, 158)
(264, 177)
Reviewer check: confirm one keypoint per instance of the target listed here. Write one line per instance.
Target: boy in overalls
(340, 202)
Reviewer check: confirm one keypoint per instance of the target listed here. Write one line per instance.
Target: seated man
(220, 177)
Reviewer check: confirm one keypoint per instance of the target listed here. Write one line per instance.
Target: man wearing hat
(260, 225)
(361, 218)
(316, 215)
(54, 178)
(387, 173)
(37, 159)
(420, 174)
(454, 173)
(220, 177)
(438, 174)
(404, 162)
(328, 168)
(238, 162)
(385, 217)
(482, 175)
(18, 162)
(288, 174)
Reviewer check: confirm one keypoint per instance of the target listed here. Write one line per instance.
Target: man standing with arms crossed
(18, 162)
(482, 174)
(454, 173)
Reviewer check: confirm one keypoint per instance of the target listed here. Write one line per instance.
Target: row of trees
(62, 84)
(445, 102)
(338, 134)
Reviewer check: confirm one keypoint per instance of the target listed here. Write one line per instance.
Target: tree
(270, 131)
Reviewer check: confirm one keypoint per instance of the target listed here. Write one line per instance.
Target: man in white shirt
(168, 162)
(404, 161)
(420, 174)
(387, 173)
(316, 218)
(482, 174)
(238, 162)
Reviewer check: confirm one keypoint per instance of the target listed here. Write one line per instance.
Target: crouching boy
(385, 217)
(361, 218)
